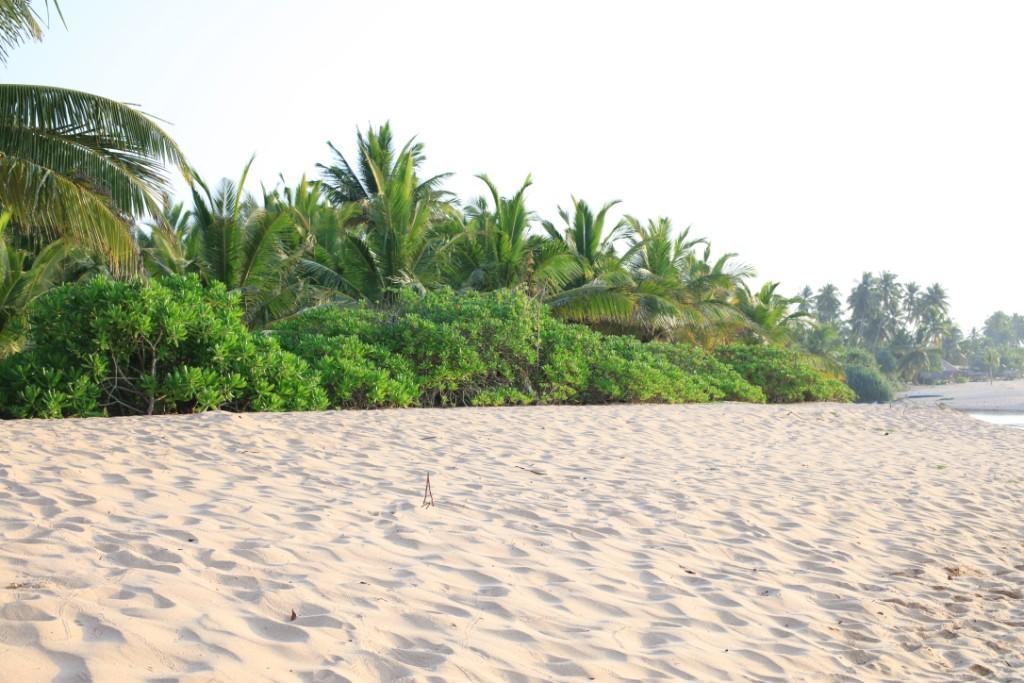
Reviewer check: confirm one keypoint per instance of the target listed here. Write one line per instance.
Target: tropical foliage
(378, 287)
(162, 346)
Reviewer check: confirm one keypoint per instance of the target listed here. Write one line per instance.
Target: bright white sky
(817, 139)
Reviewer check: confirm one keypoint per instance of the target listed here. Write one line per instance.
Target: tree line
(84, 193)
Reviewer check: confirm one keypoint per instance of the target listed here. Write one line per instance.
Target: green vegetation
(72, 163)
(162, 346)
(785, 375)
(373, 286)
(895, 332)
(497, 348)
(869, 384)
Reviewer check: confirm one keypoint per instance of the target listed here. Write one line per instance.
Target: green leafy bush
(720, 381)
(785, 375)
(124, 348)
(579, 365)
(355, 374)
(493, 348)
(869, 384)
(444, 348)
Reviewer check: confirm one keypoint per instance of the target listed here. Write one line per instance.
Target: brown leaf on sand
(294, 616)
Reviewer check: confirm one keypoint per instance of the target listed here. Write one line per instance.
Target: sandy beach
(980, 397)
(705, 542)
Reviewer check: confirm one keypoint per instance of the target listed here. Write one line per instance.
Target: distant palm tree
(911, 296)
(866, 312)
(805, 298)
(680, 295)
(933, 317)
(890, 300)
(227, 237)
(918, 359)
(827, 304)
(992, 361)
(76, 164)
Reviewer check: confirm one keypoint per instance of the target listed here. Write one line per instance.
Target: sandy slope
(720, 542)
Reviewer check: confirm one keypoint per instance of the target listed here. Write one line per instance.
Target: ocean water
(1006, 419)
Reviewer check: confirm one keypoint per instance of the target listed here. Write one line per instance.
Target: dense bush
(444, 348)
(161, 346)
(785, 375)
(356, 374)
(720, 381)
(496, 348)
(172, 345)
(869, 384)
(579, 365)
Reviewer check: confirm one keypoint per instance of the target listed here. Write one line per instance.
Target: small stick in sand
(428, 495)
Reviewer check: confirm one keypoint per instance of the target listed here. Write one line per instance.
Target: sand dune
(721, 542)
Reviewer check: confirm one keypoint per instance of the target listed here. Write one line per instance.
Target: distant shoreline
(972, 397)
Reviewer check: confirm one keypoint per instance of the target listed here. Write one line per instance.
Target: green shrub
(443, 348)
(356, 374)
(785, 375)
(579, 365)
(720, 381)
(870, 385)
(858, 356)
(125, 348)
(486, 349)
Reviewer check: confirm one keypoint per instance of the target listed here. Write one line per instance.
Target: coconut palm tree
(771, 315)
(828, 305)
(805, 299)
(911, 296)
(865, 312)
(890, 301)
(73, 163)
(934, 315)
(400, 225)
(493, 248)
(678, 293)
(602, 289)
(376, 164)
(23, 278)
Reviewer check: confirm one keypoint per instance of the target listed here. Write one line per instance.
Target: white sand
(1000, 396)
(721, 542)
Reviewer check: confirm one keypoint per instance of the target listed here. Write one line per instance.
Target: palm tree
(805, 299)
(602, 288)
(164, 246)
(377, 163)
(770, 314)
(865, 312)
(227, 237)
(992, 361)
(19, 23)
(23, 278)
(827, 304)
(890, 300)
(493, 248)
(918, 359)
(76, 164)
(911, 296)
(680, 295)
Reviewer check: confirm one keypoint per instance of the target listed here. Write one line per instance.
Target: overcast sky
(816, 139)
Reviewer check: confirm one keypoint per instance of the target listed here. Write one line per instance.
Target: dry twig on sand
(428, 495)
